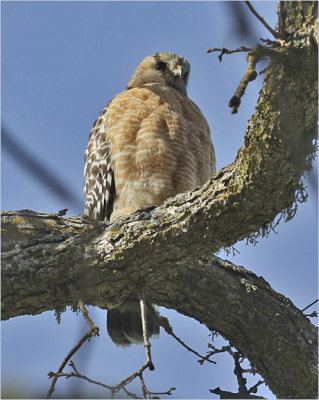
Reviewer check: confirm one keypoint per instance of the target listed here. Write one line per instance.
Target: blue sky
(61, 63)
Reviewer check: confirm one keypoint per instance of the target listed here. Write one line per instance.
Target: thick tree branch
(50, 262)
(59, 258)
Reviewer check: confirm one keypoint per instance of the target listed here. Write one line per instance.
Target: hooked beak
(178, 71)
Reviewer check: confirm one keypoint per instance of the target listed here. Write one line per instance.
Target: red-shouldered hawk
(149, 143)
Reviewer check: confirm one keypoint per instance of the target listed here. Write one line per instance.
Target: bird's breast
(158, 149)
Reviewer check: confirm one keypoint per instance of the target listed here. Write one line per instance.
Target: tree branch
(268, 27)
(49, 262)
(106, 264)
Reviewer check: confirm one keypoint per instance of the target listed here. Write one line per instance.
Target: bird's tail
(124, 323)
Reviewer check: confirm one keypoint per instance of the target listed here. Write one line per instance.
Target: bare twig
(214, 351)
(223, 51)
(249, 76)
(281, 19)
(146, 392)
(86, 316)
(272, 31)
(169, 392)
(311, 304)
(121, 386)
(147, 344)
(314, 314)
(230, 395)
(76, 374)
(238, 371)
(94, 331)
(130, 395)
(272, 43)
(243, 392)
(55, 375)
(224, 349)
(276, 43)
(169, 330)
(253, 57)
(114, 389)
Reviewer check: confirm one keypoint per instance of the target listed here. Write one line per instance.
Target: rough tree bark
(50, 262)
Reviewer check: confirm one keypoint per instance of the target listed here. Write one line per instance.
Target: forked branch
(261, 19)
(94, 331)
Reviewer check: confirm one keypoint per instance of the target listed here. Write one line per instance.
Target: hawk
(149, 143)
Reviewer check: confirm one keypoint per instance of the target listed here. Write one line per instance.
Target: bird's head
(165, 68)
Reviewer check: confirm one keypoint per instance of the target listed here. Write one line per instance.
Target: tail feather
(124, 324)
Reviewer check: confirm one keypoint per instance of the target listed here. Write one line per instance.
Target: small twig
(243, 392)
(269, 42)
(251, 370)
(76, 374)
(238, 371)
(214, 351)
(147, 344)
(94, 331)
(230, 395)
(253, 57)
(67, 358)
(169, 392)
(314, 302)
(129, 379)
(314, 314)
(249, 76)
(224, 349)
(227, 51)
(86, 316)
(113, 389)
(281, 19)
(268, 27)
(164, 323)
(146, 392)
(130, 394)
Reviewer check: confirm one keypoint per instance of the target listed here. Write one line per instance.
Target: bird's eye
(160, 65)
